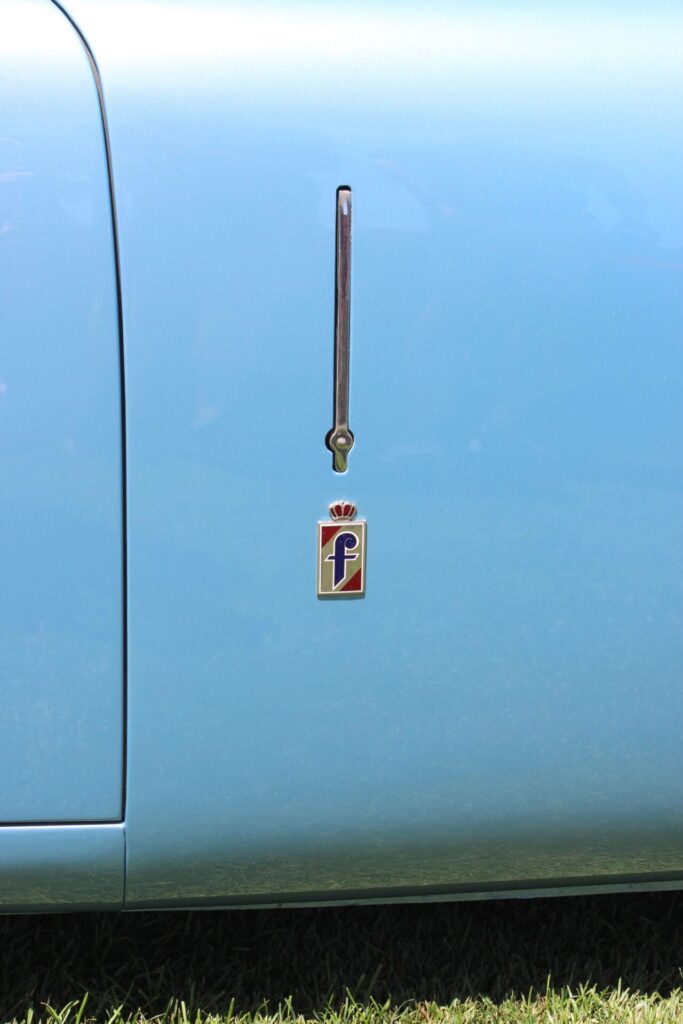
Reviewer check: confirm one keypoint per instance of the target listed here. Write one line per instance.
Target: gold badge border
(339, 593)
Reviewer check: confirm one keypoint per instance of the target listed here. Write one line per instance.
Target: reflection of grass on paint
(615, 958)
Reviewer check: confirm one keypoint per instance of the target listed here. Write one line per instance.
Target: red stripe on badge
(327, 533)
(354, 584)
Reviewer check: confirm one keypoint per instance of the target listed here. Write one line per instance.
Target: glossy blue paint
(61, 668)
(61, 867)
(504, 706)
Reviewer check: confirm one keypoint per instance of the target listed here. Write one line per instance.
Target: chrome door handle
(340, 440)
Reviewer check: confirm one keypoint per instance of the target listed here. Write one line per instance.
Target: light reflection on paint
(264, 42)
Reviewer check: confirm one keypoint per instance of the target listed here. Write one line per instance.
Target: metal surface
(340, 440)
(505, 705)
(61, 867)
(61, 591)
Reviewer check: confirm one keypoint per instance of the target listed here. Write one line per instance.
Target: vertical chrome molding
(122, 381)
(340, 440)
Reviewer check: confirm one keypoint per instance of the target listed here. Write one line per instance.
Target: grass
(600, 958)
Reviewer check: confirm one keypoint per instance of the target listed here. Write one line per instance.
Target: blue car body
(184, 722)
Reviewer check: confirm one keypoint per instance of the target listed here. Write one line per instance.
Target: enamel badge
(341, 553)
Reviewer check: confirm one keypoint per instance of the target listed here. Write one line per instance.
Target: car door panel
(61, 515)
(503, 707)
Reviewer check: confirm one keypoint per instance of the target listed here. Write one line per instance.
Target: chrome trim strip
(340, 440)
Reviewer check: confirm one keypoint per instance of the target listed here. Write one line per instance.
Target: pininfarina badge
(341, 553)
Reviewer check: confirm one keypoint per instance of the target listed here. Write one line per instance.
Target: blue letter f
(343, 543)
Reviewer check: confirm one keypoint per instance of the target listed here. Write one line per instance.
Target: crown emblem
(342, 510)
